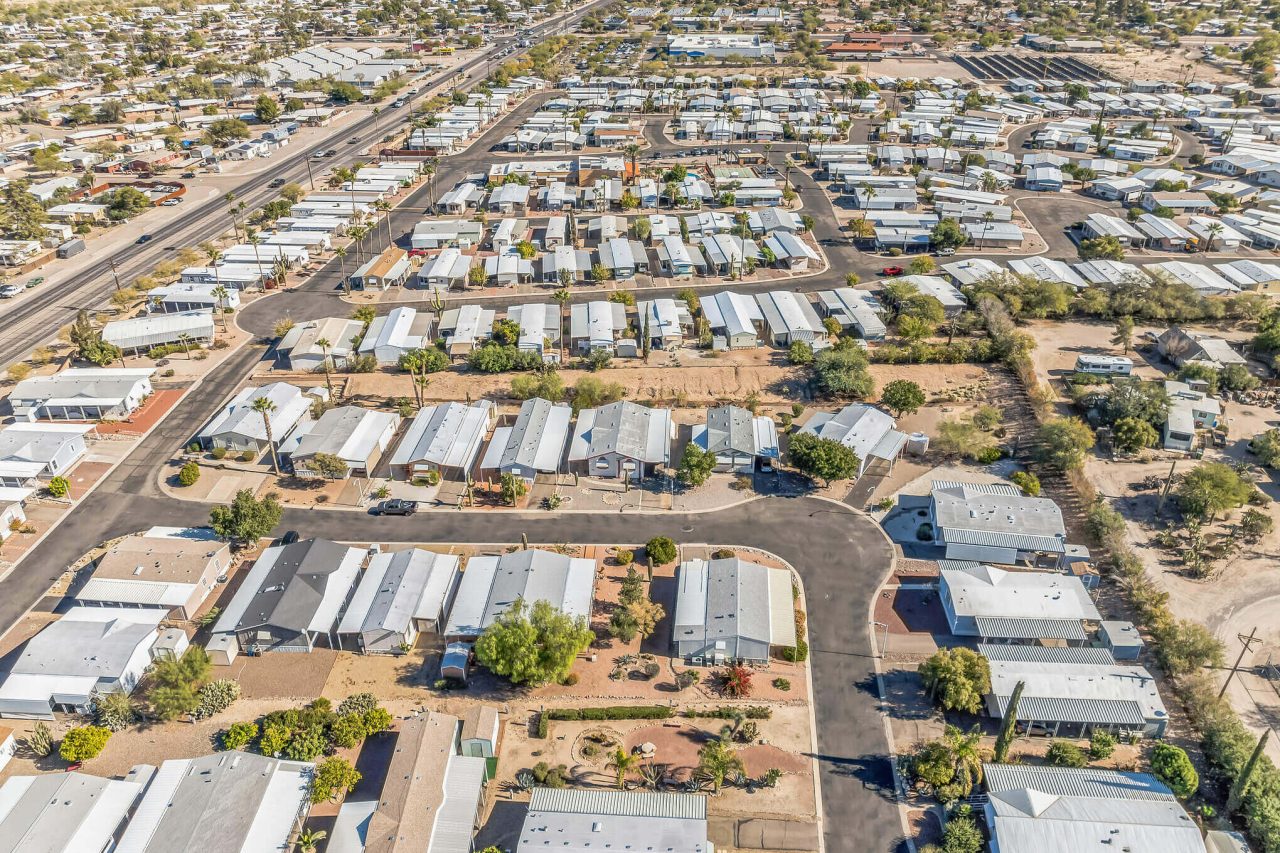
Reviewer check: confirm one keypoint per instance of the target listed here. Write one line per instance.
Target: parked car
(396, 506)
(171, 202)
(36, 281)
(9, 291)
(188, 174)
(946, 253)
(417, 253)
(289, 537)
(892, 271)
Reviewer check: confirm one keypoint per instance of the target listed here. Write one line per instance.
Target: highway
(55, 305)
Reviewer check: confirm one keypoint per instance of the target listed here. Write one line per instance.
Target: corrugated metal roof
(1075, 782)
(1030, 629)
(1050, 654)
(1063, 709)
(619, 803)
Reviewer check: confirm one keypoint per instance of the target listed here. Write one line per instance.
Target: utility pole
(115, 275)
(1247, 643)
(1164, 493)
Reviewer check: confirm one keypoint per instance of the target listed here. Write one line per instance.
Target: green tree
(344, 93)
(957, 679)
(1063, 443)
(1213, 487)
(534, 645)
(333, 778)
(623, 762)
(948, 234)
(247, 519)
(823, 458)
(590, 392)
(1130, 434)
(717, 761)
(961, 834)
(174, 683)
(800, 353)
(902, 397)
(1266, 446)
(1123, 336)
(239, 735)
(1187, 647)
(22, 217)
(1254, 524)
(696, 465)
(1240, 786)
(949, 766)
(1172, 767)
(842, 372)
(87, 340)
(660, 550)
(224, 131)
(265, 109)
(327, 466)
(83, 743)
(419, 363)
(58, 487)
(1102, 248)
(1008, 725)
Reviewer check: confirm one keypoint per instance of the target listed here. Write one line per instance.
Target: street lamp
(885, 644)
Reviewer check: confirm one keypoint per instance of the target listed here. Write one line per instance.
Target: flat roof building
(994, 604)
(228, 801)
(491, 584)
(400, 594)
(576, 820)
(63, 812)
(170, 569)
(732, 609)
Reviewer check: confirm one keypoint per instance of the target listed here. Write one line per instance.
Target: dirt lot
(1158, 64)
(704, 379)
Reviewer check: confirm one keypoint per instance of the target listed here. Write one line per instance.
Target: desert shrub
(189, 474)
(542, 726)
(239, 735)
(612, 712)
(214, 697)
(1064, 753)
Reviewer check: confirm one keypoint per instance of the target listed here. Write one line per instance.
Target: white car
(946, 253)
(9, 291)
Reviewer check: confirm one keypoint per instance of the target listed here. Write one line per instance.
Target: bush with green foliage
(1171, 765)
(1063, 443)
(1064, 753)
(823, 458)
(902, 397)
(239, 735)
(957, 679)
(83, 743)
(1212, 488)
(113, 710)
(842, 371)
(533, 645)
(58, 487)
(332, 779)
(40, 741)
(800, 353)
(1133, 434)
(1101, 745)
(660, 550)
(189, 474)
(611, 712)
(1026, 481)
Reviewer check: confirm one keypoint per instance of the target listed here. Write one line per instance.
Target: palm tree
(868, 193)
(1215, 230)
(252, 238)
(987, 219)
(562, 297)
(185, 340)
(341, 253)
(324, 345)
(308, 840)
(623, 762)
(231, 210)
(220, 293)
(632, 150)
(968, 756)
(383, 206)
(265, 407)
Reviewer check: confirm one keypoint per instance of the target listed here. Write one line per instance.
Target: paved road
(839, 552)
(52, 307)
